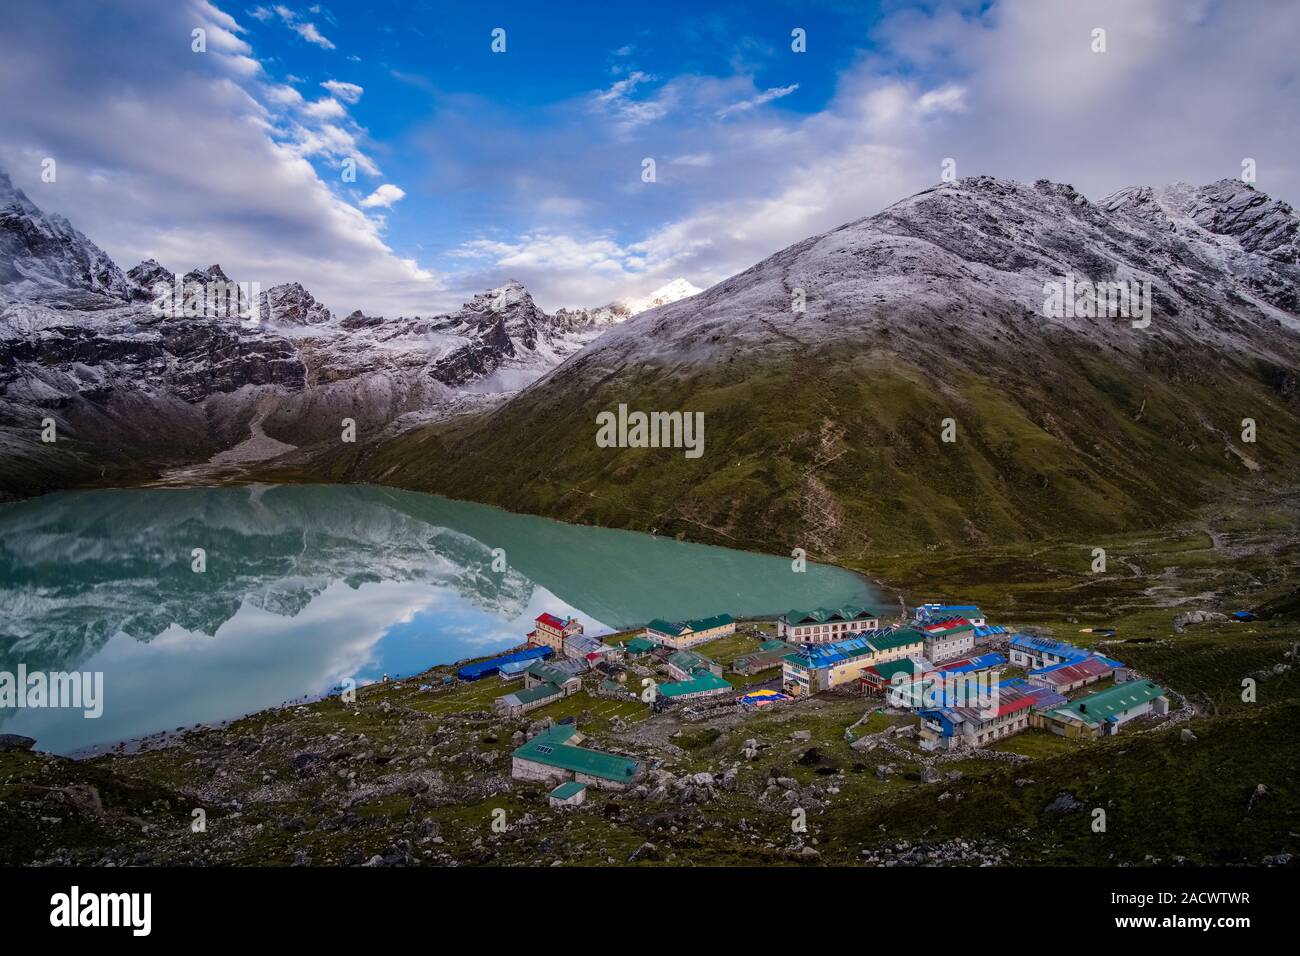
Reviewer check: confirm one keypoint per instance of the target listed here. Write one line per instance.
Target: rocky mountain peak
(291, 304)
(144, 277)
(213, 273)
(1262, 225)
(42, 255)
(512, 307)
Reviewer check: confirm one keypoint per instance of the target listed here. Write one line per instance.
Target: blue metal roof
(489, 667)
(983, 662)
(1047, 645)
(824, 655)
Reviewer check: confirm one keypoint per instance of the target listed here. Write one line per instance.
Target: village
(945, 679)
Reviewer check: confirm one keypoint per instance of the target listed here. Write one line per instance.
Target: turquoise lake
(308, 585)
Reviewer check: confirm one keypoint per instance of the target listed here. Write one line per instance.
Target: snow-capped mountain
(132, 381)
(620, 310)
(44, 255)
(826, 372)
(674, 291)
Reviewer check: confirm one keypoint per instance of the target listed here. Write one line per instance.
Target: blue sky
(475, 167)
(437, 100)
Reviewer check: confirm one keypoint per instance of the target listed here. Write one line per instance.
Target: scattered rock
(1063, 803)
(1196, 617)
(1259, 793)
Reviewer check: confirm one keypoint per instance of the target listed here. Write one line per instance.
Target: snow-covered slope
(43, 255)
(825, 371)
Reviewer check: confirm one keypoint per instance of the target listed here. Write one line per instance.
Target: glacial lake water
(305, 586)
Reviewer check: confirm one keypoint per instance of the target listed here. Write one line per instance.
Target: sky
(474, 166)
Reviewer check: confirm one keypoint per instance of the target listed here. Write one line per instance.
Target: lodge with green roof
(638, 646)
(554, 756)
(823, 625)
(568, 794)
(683, 664)
(1103, 713)
(543, 683)
(703, 683)
(684, 634)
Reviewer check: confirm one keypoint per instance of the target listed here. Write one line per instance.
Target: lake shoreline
(415, 576)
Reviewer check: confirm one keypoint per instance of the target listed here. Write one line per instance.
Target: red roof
(947, 625)
(550, 620)
(1080, 670)
(1017, 702)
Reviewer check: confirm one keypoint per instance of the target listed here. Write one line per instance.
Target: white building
(825, 625)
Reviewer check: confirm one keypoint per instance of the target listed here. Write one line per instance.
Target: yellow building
(686, 634)
(551, 631)
(825, 666)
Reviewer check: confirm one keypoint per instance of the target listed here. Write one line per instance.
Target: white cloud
(384, 196)
(309, 33)
(629, 113)
(1012, 90)
(767, 96)
(622, 88)
(285, 95)
(349, 93)
(134, 126)
(304, 28)
(326, 108)
(947, 99)
(549, 251)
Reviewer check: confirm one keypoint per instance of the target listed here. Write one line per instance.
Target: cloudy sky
(473, 166)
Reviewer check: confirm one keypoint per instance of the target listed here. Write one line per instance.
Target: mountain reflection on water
(307, 585)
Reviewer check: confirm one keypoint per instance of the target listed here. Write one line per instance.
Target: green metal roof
(822, 615)
(773, 645)
(570, 788)
(699, 624)
(896, 639)
(702, 681)
(1104, 704)
(552, 747)
(709, 623)
(688, 660)
(639, 645)
(549, 672)
(888, 669)
(535, 693)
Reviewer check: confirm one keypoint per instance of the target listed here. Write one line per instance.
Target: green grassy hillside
(841, 453)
